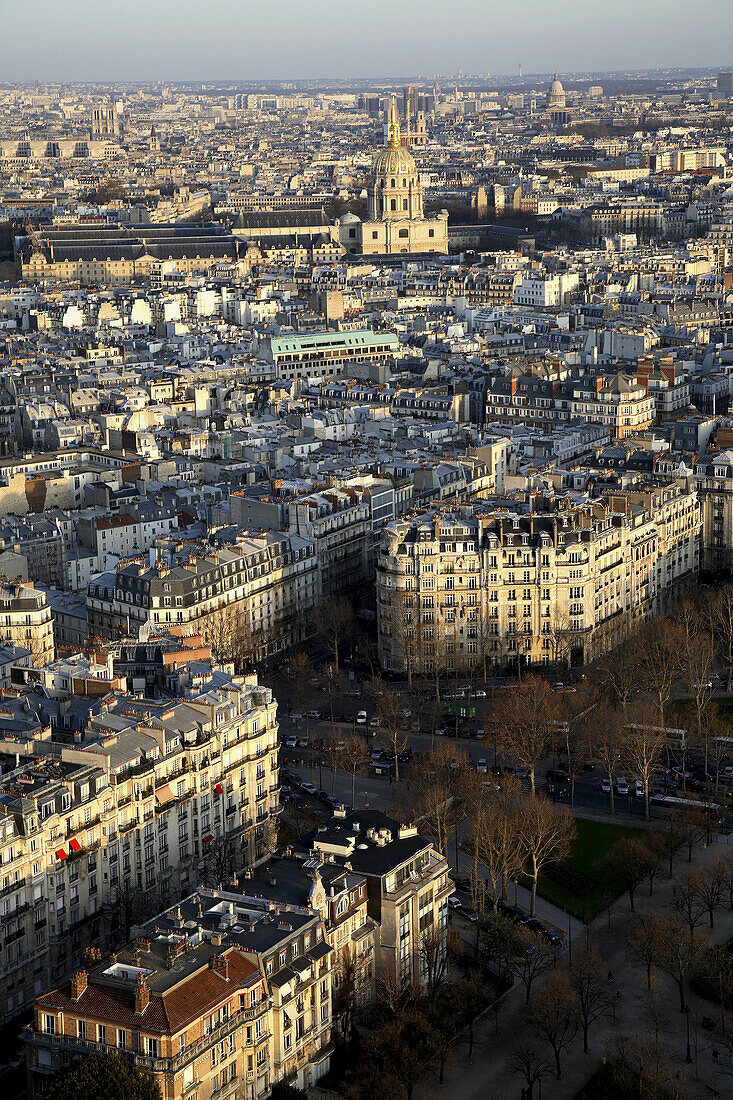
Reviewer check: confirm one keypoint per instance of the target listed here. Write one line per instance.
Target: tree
(687, 900)
(433, 961)
(220, 861)
(349, 987)
(717, 972)
(407, 1048)
(697, 654)
(659, 652)
(621, 670)
(672, 838)
(546, 834)
(103, 1074)
(604, 728)
(728, 877)
(589, 989)
(693, 824)
(433, 790)
(334, 622)
(642, 943)
(303, 677)
(531, 956)
(642, 748)
(392, 720)
(494, 833)
(528, 1060)
(627, 863)
(677, 950)
(552, 1015)
(721, 615)
(353, 758)
(471, 995)
(709, 883)
(526, 718)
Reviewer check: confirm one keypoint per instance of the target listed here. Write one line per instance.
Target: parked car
(291, 743)
(622, 786)
(482, 766)
(454, 903)
(361, 718)
(606, 786)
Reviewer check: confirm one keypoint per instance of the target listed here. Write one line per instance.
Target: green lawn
(579, 885)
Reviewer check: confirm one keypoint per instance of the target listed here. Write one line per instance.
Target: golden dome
(395, 159)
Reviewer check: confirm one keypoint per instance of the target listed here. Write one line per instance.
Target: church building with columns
(395, 220)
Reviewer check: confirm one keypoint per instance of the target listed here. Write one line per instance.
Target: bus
(674, 802)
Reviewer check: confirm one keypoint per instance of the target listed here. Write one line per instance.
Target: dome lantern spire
(394, 138)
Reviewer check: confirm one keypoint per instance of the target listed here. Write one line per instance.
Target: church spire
(394, 140)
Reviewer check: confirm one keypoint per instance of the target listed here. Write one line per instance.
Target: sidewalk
(489, 1073)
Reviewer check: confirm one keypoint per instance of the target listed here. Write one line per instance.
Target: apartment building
(26, 620)
(407, 886)
(188, 1012)
(265, 583)
(620, 403)
(555, 585)
(714, 482)
(288, 944)
(148, 798)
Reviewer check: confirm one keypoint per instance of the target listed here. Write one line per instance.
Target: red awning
(207, 838)
(219, 789)
(163, 795)
(61, 853)
(75, 845)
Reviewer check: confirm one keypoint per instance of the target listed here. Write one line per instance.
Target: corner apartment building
(268, 582)
(130, 809)
(714, 482)
(407, 885)
(620, 403)
(26, 621)
(455, 588)
(189, 1013)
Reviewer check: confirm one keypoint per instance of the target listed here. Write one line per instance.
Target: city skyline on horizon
(67, 47)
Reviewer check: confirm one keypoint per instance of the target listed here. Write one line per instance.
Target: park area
(580, 884)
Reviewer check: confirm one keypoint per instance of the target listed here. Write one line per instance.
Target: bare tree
(531, 956)
(627, 863)
(721, 609)
(687, 899)
(621, 670)
(352, 756)
(220, 861)
(472, 993)
(659, 653)
(526, 718)
(553, 1017)
(642, 748)
(717, 971)
(546, 834)
(697, 653)
(604, 728)
(589, 989)
(494, 835)
(433, 961)
(642, 942)
(528, 1060)
(350, 987)
(433, 790)
(710, 882)
(678, 951)
(335, 621)
(393, 725)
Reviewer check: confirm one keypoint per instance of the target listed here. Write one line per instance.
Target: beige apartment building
(152, 800)
(26, 621)
(459, 588)
(252, 596)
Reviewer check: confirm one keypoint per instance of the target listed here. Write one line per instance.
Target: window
(49, 1025)
(81, 1029)
(431, 232)
(393, 205)
(121, 1039)
(101, 1033)
(403, 233)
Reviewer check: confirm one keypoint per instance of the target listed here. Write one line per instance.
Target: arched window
(393, 183)
(404, 204)
(404, 183)
(394, 204)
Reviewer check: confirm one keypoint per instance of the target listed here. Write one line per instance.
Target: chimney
(78, 984)
(220, 965)
(142, 996)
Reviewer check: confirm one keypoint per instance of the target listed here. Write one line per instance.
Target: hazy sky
(109, 40)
